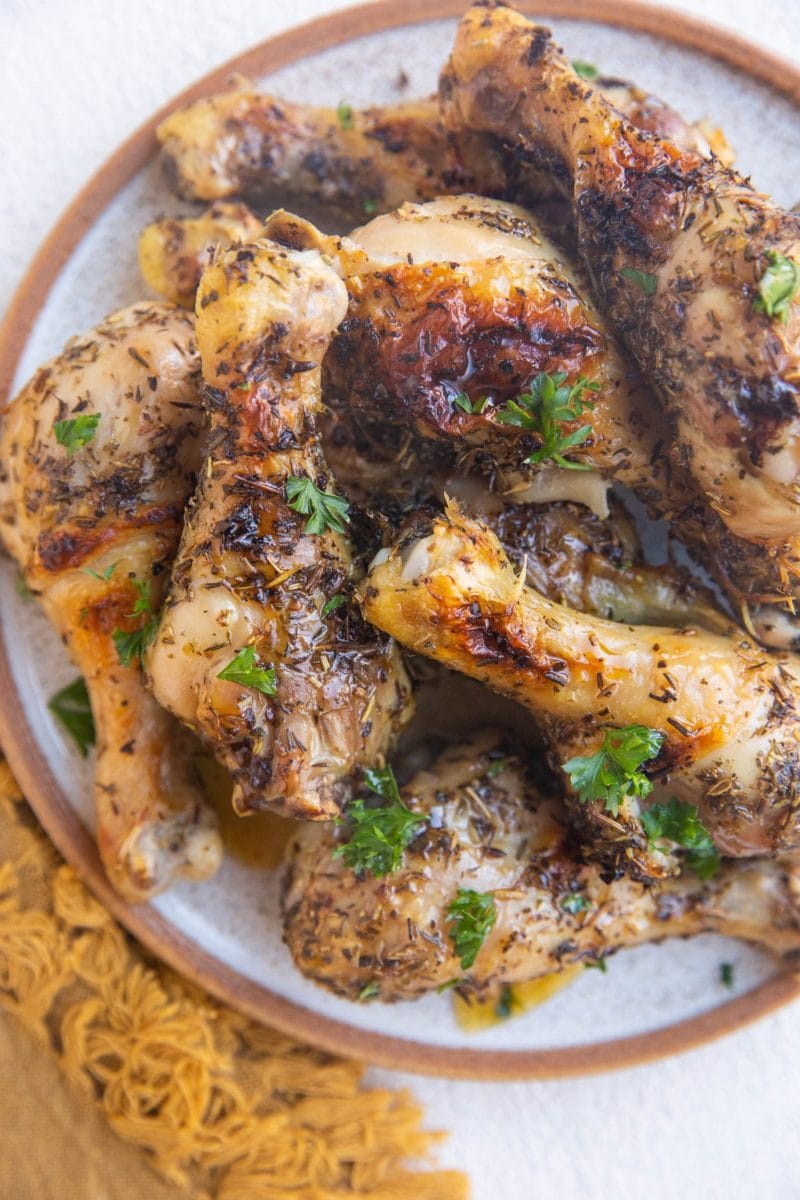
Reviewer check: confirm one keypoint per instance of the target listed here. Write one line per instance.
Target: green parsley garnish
(643, 279)
(368, 992)
(76, 432)
(370, 206)
(506, 1003)
(131, 646)
(344, 115)
(104, 578)
(71, 707)
(331, 605)
(244, 668)
(726, 974)
(575, 903)
(677, 821)
(586, 70)
(544, 409)
(778, 286)
(471, 916)
(497, 767)
(21, 587)
(613, 773)
(599, 964)
(378, 833)
(323, 509)
(451, 983)
(466, 405)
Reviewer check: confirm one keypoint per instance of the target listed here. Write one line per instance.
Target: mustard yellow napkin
(218, 1105)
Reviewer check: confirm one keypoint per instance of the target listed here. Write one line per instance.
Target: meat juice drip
(509, 1000)
(257, 840)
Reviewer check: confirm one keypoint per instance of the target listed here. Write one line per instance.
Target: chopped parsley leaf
(466, 405)
(368, 992)
(324, 510)
(344, 115)
(575, 903)
(586, 70)
(677, 821)
(778, 286)
(643, 279)
(245, 669)
(497, 767)
(472, 916)
(599, 964)
(726, 974)
(72, 709)
(544, 409)
(76, 432)
(131, 646)
(331, 605)
(506, 1003)
(378, 834)
(21, 587)
(613, 773)
(106, 575)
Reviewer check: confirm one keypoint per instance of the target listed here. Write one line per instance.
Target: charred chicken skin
(461, 304)
(98, 455)
(486, 827)
(292, 693)
(724, 709)
(680, 251)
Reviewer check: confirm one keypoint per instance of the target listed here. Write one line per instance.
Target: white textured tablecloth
(724, 1121)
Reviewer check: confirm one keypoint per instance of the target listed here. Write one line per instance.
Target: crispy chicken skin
(248, 577)
(490, 829)
(676, 246)
(113, 507)
(246, 143)
(174, 251)
(465, 295)
(419, 333)
(726, 709)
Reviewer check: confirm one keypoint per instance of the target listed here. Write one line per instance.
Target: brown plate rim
(24, 754)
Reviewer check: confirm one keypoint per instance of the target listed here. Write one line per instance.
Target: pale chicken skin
(726, 709)
(250, 581)
(486, 826)
(247, 143)
(94, 530)
(677, 247)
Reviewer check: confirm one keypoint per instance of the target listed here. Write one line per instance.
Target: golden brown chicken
(98, 455)
(174, 251)
(259, 649)
(722, 711)
(695, 268)
(488, 839)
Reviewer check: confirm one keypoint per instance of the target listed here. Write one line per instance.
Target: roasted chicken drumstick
(725, 711)
(245, 143)
(258, 649)
(98, 455)
(484, 827)
(696, 269)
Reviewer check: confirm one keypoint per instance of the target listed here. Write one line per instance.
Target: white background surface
(724, 1121)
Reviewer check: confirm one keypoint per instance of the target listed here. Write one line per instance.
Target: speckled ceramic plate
(225, 934)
